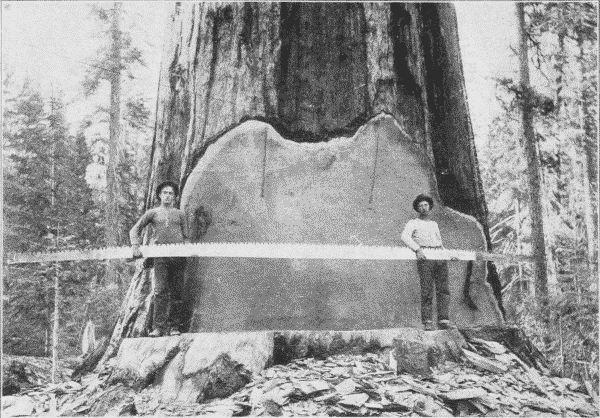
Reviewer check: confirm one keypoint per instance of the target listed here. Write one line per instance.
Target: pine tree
(564, 42)
(114, 61)
(87, 220)
(562, 46)
(533, 163)
(44, 163)
(26, 174)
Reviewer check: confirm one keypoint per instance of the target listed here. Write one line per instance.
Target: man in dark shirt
(169, 226)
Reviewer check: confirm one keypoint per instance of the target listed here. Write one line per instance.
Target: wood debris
(452, 390)
(457, 394)
(490, 382)
(20, 373)
(484, 363)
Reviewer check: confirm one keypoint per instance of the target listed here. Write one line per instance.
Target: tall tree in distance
(562, 45)
(533, 162)
(112, 209)
(113, 61)
(87, 215)
(564, 41)
(588, 117)
(46, 202)
(25, 212)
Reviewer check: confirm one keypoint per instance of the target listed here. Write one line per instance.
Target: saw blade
(264, 250)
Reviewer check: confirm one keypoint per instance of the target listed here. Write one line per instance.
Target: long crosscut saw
(264, 250)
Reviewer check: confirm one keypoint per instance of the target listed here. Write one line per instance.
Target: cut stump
(202, 366)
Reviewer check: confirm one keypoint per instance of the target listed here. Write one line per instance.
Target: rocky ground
(487, 381)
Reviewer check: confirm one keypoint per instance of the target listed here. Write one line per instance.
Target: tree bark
(55, 325)
(589, 220)
(263, 61)
(523, 287)
(55, 318)
(48, 318)
(587, 173)
(314, 72)
(533, 162)
(112, 212)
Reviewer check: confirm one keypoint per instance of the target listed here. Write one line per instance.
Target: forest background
(75, 162)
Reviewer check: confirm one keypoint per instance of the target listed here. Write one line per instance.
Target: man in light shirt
(423, 232)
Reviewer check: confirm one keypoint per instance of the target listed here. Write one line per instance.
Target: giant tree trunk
(315, 122)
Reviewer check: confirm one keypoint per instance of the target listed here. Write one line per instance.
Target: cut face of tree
(252, 185)
(332, 169)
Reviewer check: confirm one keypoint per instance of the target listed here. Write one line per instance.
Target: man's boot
(443, 308)
(428, 326)
(175, 317)
(160, 322)
(157, 332)
(446, 324)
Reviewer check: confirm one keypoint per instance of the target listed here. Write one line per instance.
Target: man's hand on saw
(136, 251)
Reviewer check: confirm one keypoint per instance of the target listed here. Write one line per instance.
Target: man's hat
(421, 198)
(167, 184)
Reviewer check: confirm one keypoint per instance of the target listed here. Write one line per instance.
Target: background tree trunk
(588, 173)
(313, 72)
(56, 270)
(112, 200)
(533, 162)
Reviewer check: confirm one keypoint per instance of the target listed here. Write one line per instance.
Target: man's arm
(135, 232)
(406, 237)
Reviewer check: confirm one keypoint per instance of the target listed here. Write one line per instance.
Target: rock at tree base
(252, 185)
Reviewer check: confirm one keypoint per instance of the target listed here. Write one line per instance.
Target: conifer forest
(101, 101)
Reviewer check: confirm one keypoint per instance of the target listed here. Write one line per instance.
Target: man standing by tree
(169, 226)
(420, 233)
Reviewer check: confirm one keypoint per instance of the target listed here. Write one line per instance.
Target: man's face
(423, 207)
(167, 195)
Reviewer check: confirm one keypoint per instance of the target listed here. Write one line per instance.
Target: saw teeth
(310, 250)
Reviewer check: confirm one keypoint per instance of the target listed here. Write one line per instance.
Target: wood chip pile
(489, 381)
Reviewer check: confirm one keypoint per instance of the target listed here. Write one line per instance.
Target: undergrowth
(565, 329)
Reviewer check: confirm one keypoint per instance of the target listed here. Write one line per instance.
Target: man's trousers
(434, 272)
(168, 291)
